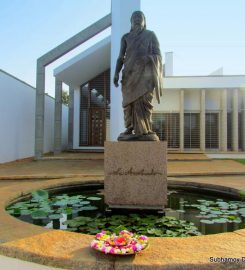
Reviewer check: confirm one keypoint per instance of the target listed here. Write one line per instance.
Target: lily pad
(40, 195)
(67, 211)
(39, 214)
(94, 198)
(207, 221)
(220, 220)
(25, 212)
(84, 202)
(55, 216)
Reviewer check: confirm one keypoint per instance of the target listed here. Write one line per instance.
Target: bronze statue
(142, 74)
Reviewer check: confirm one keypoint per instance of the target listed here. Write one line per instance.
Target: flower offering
(125, 243)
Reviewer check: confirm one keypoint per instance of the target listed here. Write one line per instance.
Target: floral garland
(123, 244)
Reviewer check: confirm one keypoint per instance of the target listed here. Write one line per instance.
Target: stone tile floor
(78, 165)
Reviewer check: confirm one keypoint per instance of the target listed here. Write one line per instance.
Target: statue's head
(138, 20)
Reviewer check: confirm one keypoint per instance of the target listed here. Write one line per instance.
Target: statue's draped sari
(141, 76)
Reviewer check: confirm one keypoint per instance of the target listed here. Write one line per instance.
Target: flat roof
(86, 65)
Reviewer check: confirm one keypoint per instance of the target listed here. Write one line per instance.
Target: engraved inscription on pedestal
(136, 174)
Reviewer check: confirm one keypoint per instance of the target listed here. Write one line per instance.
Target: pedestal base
(136, 175)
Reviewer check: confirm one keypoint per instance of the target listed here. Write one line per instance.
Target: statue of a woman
(142, 75)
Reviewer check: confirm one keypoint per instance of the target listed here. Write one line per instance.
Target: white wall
(192, 100)
(212, 99)
(195, 82)
(17, 119)
(169, 102)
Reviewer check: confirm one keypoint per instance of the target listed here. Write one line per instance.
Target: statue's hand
(115, 80)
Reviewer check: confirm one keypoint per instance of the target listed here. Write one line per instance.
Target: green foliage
(141, 224)
(65, 97)
(241, 161)
(242, 193)
(94, 198)
(39, 195)
(55, 216)
(39, 214)
(42, 209)
(40, 206)
(219, 211)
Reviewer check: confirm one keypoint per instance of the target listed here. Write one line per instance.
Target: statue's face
(137, 19)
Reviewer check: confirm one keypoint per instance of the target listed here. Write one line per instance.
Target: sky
(203, 35)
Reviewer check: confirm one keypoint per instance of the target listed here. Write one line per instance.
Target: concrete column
(243, 118)
(202, 119)
(58, 117)
(71, 118)
(39, 117)
(223, 120)
(235, 119)
(121, 12)
(169, 64)
(182, 97)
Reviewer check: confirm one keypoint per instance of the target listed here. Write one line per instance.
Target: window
(192, 130)
(166, 125)
(212, 130)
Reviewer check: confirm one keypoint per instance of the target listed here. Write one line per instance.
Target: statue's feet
(151, 136)
(128, 131)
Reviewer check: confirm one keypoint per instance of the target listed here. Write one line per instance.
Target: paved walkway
(228, 155)
(88, 156)
(78, 167)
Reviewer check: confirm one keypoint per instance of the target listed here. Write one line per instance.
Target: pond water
(83, 210)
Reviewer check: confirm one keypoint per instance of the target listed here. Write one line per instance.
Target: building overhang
(218, 81)
(93, 61)
(86, 65)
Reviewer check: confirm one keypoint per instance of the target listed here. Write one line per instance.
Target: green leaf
(60, 203)
(84, 202)
(118, 229)
(220, 220)
(242, 193)
(207, 221)
(55, 216)
(94, 198)
(241, 211)
(88, 208)
(40, 195)
(10, 211)
(155, 231)
(67, 211)
(39, 214)
(25, 212)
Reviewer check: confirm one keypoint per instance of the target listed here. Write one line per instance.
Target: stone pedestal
(136, 175)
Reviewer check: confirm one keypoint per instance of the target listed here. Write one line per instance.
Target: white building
(17, 120)
(197, 113)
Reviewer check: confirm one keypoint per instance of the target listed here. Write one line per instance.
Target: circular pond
(82, 209)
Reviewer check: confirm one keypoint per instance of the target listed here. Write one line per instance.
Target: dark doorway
(95, 110)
